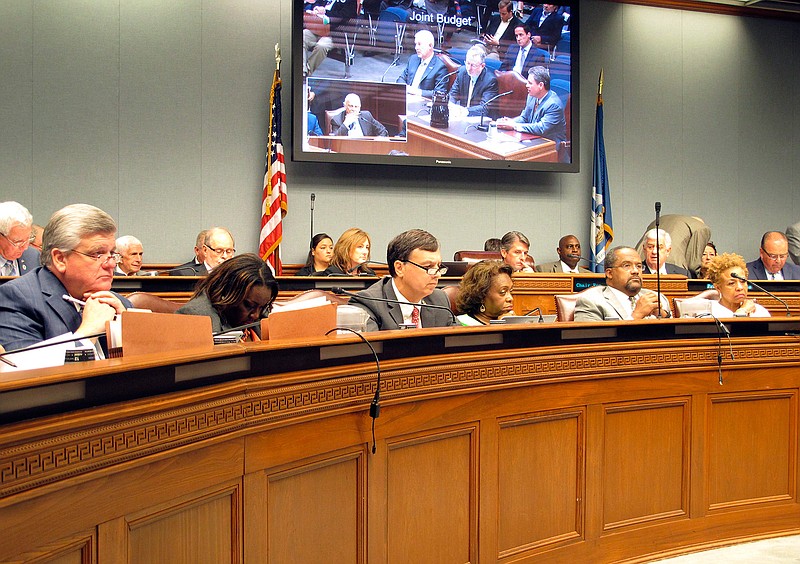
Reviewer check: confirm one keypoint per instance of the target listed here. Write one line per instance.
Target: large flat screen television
(422, 83)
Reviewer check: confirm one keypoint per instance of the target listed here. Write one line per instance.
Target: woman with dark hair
(319, 257)
(238, 291)
(350, 255)
(485, 293)
(708, 254)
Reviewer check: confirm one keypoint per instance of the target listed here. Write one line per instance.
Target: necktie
(471, 87)
(633, 302)
(415, 316)
(8, 268)
(536, 105)
(521, 60)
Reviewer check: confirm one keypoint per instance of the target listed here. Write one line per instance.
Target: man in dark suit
(16, 235)
(78, 261)
(355, 123)
(655, 264)
(499, 34)
(415, 265)
(524, 55)
(424, 71)
(689, 237)
(474, 85)
(569, 254)
(546, 24)
(771, 263)
(196, 266)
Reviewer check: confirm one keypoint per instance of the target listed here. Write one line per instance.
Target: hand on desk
(505, 123)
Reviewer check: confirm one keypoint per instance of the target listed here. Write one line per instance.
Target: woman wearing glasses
(733, 300)
(485, 293)
(350, 255)
(239, 291)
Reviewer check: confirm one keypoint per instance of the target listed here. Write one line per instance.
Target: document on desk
(46, 356)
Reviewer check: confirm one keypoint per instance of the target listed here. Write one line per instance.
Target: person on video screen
(355, 123)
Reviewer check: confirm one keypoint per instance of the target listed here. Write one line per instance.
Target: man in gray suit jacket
(793, 236)
(415, 265)
(623, 296)
(78, 262)
(16, 235)
(771, 263)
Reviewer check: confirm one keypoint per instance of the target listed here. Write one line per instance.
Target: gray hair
(476, 51)
(125, 242)
(72, 223)
(13, 214)
(661, 235)
(512, 237)
(426, 35)
(210, 232)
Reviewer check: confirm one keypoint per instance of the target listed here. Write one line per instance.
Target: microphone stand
(537, 310)
(658, 258)
(484, 109)
(343, 292)
(313, 197)
(767, 292)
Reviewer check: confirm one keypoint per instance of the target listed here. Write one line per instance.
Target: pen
(73, 300)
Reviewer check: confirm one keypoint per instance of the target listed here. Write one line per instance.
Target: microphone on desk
(658, 255)
(448, 75)
(537, 310)
(343, 292)
(484, 108)
(770, 294)
(313, 197)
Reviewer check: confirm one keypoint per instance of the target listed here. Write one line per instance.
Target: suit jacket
(32, 310)
(689, 237)
(201, 305)
(190, 268)
(670, 268)
(756, 271)
(508, 38)
(547, 120)
(383, 316)
(555, 266)
(550, 29)
(369, 125)
(484, 90)
(534, 57)
(432, 76)
(28, 261)
(793, 234)
(600, 303)
(312, 125)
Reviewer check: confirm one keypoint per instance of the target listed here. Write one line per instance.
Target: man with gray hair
(356, 123)
(130, 252)
(16, 235)
(70, 294)
(424, 71)
(514, 247)
(474, 85)
(655, 255)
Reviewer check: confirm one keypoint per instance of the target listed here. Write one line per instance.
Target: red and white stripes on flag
(274, 198)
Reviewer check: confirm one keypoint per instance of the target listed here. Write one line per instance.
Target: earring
(482, 308)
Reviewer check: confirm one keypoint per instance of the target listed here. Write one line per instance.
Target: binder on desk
(299, 323)
(136, 332)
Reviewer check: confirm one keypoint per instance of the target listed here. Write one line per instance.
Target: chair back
(513, 104)
(565, 306)
(476, 256)
(452, 293)
(451, 65)
(329, 115)
(156, 304)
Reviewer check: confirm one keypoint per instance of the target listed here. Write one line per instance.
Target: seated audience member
(569, 255)
(623, 296)
(524, 55)
(793, 236)
(543, 114)
(415, 265)
(78, 260)
(708, 254)
(771, 263)
(689, 236)
(485, 293)
(474, 85)
(319, 256)
(239, 291)
(218, 247)
(312, 123)
(321, 19)
(514, 248)
(16, 234)
(492, 244)
(733, 300)
(350, 255)
(36, 233)
(546, 25)
(196, 266)
(424, 71)
(663, 249)
(355, 123)
(130, 251)
(499, 34)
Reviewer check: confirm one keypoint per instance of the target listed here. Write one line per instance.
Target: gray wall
(156, 112)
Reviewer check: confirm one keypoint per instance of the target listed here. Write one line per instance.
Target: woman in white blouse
(733, 300)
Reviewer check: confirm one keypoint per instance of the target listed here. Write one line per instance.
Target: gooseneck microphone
(767, 292)
(343, 292)
(448, 75)
(658, 258)
(485, 107)
(313, 197)
(537, 310)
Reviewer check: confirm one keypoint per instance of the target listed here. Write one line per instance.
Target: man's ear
(399, 267)
(59, 260)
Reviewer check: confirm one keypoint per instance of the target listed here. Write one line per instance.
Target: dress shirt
(567, 270)
(625, 300)
(406, 309)
(774, 276)
(423, 66)
(521, 56)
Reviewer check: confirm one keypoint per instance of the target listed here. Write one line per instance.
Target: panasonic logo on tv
(443, 162)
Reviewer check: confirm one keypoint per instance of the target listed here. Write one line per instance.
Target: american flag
(274, 197)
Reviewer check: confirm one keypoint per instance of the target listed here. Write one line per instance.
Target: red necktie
(415, 316)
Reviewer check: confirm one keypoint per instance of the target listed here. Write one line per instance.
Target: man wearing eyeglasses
(78, 261)
(623, 296)
(16, 235)
(218, 246)
(415, 266)
(771, 263)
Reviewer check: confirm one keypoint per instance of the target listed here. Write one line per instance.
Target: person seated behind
(218, 247)
(485, 293)
(355, 123)
(655, 256)
(16, 235)
(131, 252)
(514, 247)
(771, 263)
(499, 34)
(623, 296)
(424, 71)
(196, 266)
(733, 300)
(319, 256)
(239, 291)
(546, 25)
(350, 255)
(320, 19)
(543, 114)
(524, 55)
(415, 265)
(474, 85)
(492, 244)
(78, 260)
(689, 236)
(569, 254)
(793, 236)
(708, 254)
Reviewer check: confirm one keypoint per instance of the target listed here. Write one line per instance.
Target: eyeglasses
(782, 256)
(102, 258)
(221, 252)
(629, 266)
(438, 270)
(20, 244)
